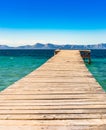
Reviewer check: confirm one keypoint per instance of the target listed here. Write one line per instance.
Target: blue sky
(57, 21)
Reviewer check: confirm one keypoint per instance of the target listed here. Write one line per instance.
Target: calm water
(15, 64)
(98, 66)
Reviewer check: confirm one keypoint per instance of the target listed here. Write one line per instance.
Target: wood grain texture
(60, 95)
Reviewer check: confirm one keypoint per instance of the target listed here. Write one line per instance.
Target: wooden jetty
(60, 95)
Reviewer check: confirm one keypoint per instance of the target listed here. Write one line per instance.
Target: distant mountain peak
(55, 46)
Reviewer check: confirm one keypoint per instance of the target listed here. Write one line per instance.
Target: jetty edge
(60, 95)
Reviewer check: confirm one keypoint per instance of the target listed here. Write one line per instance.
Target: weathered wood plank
(46, 116)
(32, 111)
(83, 122)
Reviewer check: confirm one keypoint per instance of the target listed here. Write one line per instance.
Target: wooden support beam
(86, 54)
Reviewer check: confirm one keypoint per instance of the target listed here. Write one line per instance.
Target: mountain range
(55, 46)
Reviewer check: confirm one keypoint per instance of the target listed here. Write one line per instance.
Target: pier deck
(60, 95)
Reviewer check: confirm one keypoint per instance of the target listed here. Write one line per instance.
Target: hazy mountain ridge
(55, 46)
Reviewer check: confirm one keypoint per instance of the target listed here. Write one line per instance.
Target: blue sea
(98, 66)
(15, 64)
